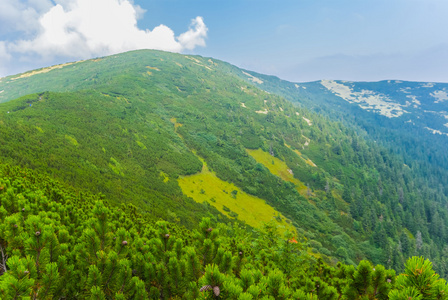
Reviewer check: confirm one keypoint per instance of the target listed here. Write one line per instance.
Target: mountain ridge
(131, 125)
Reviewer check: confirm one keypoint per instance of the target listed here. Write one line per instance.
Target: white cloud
(4, 58)
(14, 15)
(88, 28)
(195, 35)
(22, 15)
(3, 52)
(39, 5)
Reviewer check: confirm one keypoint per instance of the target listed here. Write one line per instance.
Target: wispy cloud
(4, 58)
(18, 15)
(88, 28)
(3, 52)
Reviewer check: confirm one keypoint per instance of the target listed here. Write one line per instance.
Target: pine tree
(419, 281)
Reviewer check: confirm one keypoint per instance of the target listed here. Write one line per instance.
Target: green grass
(307, 160)
(278, 168)
(207, 187)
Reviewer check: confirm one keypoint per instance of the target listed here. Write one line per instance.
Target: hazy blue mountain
(410, 118)
(422, 104)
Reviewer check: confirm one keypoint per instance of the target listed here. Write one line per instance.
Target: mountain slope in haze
(390, 98)
(152, 128)
(414, 113)
(408, 118)
(422, 104)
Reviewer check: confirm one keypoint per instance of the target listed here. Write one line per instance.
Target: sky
(296, 40)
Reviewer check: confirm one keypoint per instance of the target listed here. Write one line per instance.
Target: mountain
(409, 118)
(184, 137)
(422, 104)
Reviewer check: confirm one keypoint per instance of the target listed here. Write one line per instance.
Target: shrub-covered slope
(132, 126)
(56, 243)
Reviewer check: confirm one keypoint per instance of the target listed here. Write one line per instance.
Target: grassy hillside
(230, 199)
(137, 156)
(278, 168)
(135, 127)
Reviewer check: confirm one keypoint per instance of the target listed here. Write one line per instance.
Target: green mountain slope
(409, 118)
(57, 243)
(405, 118)
(138, 126)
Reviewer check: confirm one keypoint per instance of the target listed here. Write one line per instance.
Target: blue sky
(297, 40)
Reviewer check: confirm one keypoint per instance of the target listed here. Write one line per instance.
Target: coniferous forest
(152, 175)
